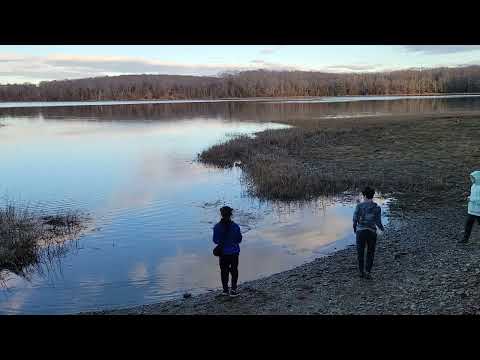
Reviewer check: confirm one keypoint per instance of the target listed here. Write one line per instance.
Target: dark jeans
(368, 238)
(469, 224)
(229, 264)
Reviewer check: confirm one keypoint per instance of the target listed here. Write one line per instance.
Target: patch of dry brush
(427, 156)
(29, 240)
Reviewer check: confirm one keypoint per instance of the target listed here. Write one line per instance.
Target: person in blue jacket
(228, 235)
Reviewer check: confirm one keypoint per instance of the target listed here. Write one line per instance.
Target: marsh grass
(30, 241)
(423, 159)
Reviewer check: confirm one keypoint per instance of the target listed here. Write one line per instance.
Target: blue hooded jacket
(230, 238)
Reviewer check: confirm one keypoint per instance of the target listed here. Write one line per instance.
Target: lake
(132, 166)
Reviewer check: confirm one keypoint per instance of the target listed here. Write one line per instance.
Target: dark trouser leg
(234, 271)
(360, 249)
(469, 225)
(371, 242)
(224, 265)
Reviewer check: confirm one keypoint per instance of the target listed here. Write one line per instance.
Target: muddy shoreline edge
(413, 274)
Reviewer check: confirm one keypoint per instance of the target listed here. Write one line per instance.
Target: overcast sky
(19, 64)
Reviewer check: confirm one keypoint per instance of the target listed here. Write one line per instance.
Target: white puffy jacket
(474, 200)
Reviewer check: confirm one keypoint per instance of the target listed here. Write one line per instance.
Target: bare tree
(256, 83)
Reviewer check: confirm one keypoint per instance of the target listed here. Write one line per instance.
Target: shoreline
(59, 103)
(418, 269)
(411, 275)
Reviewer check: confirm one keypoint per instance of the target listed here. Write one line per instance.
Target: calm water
(131, 166)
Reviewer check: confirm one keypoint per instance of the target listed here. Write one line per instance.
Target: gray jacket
(367, 216)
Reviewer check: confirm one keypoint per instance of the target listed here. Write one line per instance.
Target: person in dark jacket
(366, 218)
(228, 235)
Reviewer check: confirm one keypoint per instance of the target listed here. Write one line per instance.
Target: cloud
(271, 50)
(59, 67)
(138, 274)
(259, 63)
(18, 68)
(441, 49)
(330, 68)
(353, 68)
(267, 51)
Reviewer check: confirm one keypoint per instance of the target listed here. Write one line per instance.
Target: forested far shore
(255, 83)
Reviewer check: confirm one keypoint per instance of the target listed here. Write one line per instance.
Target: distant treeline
(256, 83)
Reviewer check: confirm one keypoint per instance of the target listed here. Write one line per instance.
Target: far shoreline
(389, 97)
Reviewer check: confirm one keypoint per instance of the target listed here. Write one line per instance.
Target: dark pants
(229, 264)
(366, 238)
(469, 224)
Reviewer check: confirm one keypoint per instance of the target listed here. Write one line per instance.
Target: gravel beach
(416, 271)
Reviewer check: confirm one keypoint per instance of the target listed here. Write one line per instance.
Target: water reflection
(154, 208)
(259, 111)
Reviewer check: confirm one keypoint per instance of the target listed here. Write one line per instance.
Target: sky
(35, 63)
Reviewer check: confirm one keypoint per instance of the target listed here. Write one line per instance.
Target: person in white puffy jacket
(473, 205)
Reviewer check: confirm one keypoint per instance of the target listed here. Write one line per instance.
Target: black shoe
(368, 276)
(234, 293)
(361, 274)
(225, 293)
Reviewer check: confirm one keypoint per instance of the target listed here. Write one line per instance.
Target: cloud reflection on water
(139, 183)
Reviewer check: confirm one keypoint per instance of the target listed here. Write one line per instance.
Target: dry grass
(416, 158)
(29, 240)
